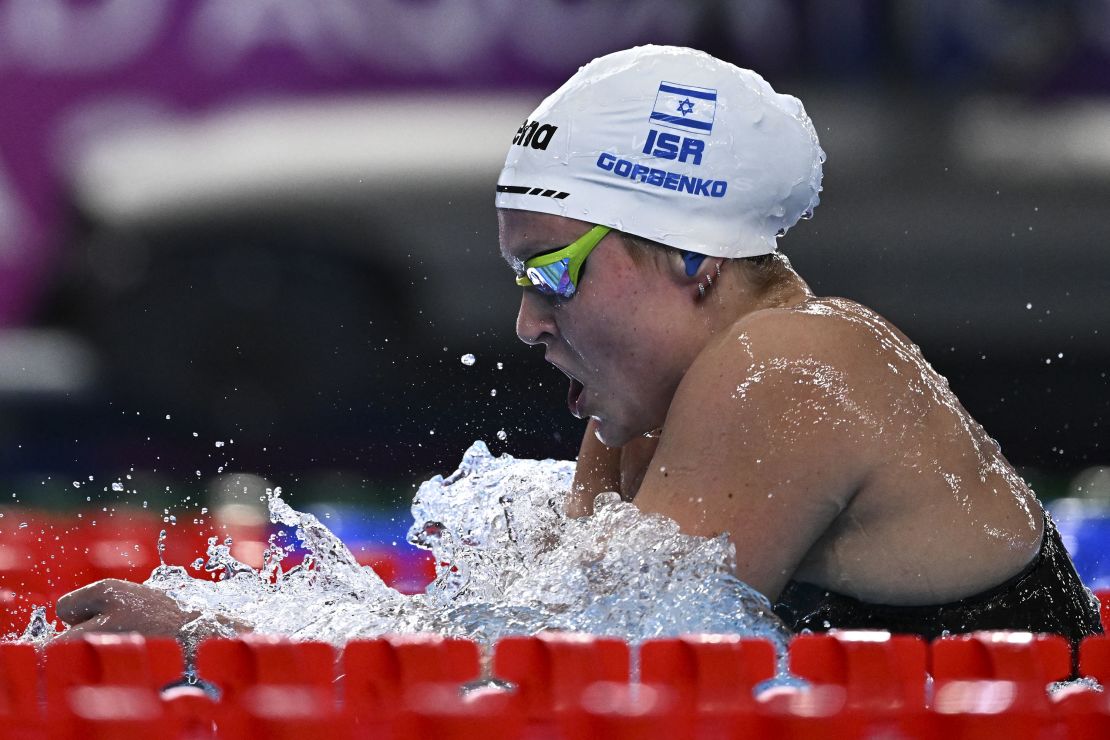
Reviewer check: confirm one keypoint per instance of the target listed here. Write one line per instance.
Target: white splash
(511, 563)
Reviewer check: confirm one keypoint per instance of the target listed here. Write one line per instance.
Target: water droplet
(470, 518)
(467, 359)
(162, 547)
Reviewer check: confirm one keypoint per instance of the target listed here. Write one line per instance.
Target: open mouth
(574, 395)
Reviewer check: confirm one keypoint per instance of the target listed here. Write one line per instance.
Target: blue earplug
(693, 261)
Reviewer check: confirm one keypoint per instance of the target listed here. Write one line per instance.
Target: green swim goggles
(556, 272)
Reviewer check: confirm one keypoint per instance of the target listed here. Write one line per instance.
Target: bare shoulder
(834, 329)
(821, 382)
(831, 345)
(794, 416)
(776, 420)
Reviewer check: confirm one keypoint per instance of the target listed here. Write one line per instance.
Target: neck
(735, 295)
(731, 297)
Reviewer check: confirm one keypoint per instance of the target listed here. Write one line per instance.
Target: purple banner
(75, 69)
(70, 68)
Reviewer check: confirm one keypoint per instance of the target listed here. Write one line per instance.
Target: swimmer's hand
(601, 468)
(112, 605)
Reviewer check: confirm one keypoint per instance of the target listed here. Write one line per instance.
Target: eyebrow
(516, 263)
(546, 248)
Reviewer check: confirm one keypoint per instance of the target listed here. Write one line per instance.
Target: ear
(704, 277)
(692, 261)
(684, 267)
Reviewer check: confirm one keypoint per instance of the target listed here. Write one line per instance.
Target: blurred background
(246, 244)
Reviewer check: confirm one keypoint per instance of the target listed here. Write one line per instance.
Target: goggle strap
(584, 246)
(574, 254)
(587, 242)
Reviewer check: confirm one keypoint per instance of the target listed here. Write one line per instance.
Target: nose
(535, 322)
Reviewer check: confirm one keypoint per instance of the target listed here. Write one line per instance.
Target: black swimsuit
(1047, 596)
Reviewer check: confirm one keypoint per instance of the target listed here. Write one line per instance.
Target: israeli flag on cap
(685, 107)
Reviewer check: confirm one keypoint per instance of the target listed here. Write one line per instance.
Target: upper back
(939, 512)
(835, 454)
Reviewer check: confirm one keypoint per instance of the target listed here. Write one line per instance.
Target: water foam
(510, 562)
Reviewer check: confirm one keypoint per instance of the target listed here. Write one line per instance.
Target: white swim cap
(672, 145)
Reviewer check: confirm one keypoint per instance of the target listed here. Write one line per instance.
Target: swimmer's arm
(112, 605)
(602, 469)
(598, 471)
(773, 465)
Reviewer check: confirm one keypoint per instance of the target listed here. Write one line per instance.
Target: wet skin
(112, 605)
(810, 429)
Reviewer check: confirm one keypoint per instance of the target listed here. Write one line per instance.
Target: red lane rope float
(878, 671)
(377, 673)
(551, 670)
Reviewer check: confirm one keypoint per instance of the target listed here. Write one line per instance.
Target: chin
(612, 434)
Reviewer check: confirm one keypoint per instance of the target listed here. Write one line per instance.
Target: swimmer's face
(620, 337)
